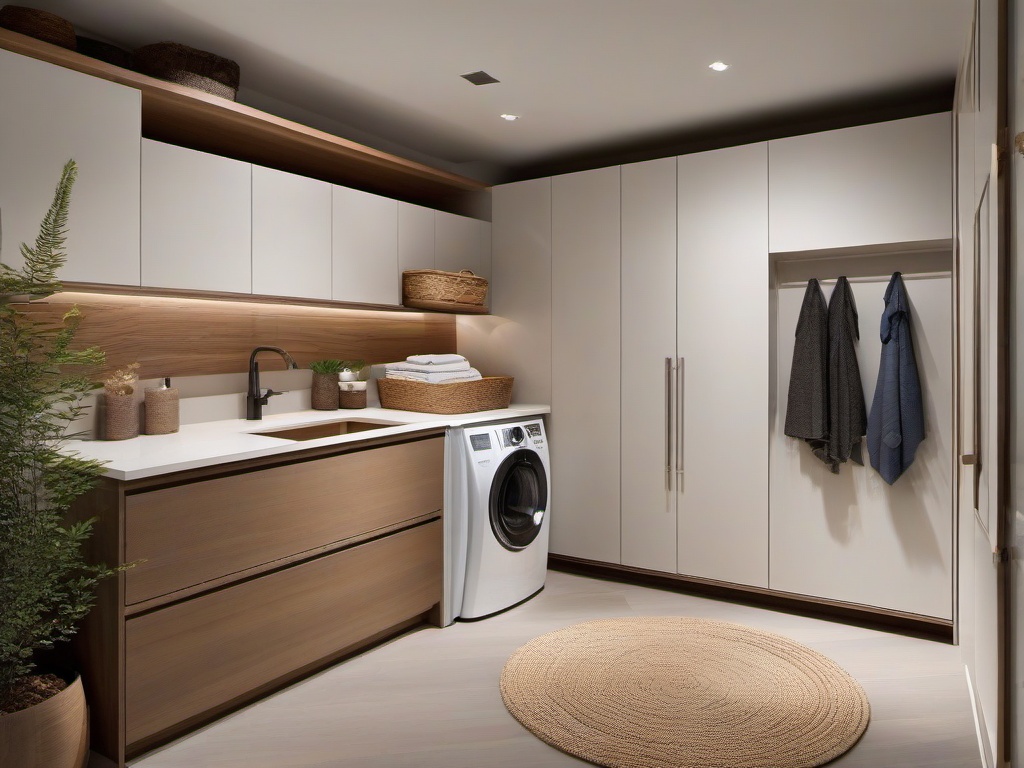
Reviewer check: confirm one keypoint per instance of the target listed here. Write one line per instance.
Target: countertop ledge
(219, 442)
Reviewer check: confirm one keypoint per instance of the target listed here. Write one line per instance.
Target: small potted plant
(324, 392)
(46, 586)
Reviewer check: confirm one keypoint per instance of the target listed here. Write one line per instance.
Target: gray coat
(807, 403)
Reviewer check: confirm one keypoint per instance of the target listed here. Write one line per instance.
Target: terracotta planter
(324, 393)
(54, 734)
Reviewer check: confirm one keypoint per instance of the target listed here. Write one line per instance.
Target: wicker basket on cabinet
(486, 394)
(437, 289)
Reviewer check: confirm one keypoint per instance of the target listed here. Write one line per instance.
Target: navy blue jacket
(896, 422)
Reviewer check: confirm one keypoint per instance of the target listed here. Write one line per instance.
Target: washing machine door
(519, 499)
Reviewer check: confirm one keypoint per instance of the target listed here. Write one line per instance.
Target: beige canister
(162, 414)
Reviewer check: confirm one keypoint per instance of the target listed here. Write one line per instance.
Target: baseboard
(910, 624)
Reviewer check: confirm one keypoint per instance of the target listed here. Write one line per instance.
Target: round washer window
(519, 499)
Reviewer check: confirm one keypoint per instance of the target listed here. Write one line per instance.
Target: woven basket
(42, 25)
(486, 394)
(352, 398)
(435, 285)
(323, 394)
(188, 66)
(121, 418)
(97, 49)
(162, 411)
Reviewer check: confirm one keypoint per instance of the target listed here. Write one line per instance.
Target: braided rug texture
(653, 692)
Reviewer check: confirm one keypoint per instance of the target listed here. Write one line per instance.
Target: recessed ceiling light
(510, 118)
(718, 66)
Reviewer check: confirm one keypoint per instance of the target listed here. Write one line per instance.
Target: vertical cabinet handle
(668, 423)
(682, 410)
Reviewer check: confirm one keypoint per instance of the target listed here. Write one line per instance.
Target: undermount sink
(327, 429)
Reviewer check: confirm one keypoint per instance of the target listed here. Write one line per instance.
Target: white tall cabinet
(51, 115)
(723, 350)
(675, 462)
(584, 372)
(648, 407)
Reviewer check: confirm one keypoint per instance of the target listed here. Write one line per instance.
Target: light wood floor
(430, 698)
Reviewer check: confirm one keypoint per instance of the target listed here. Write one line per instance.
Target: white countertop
(217, 442)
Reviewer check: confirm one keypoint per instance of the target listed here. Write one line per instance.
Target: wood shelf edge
(202, 121)
(111, 289)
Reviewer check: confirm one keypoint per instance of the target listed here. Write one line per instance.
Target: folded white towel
(434, 359)
(442, 377)
(418, 368)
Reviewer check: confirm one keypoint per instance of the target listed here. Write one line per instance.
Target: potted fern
(46, 586)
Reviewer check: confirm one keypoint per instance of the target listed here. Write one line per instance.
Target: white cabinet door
(365, 247)
(415, 237)
(515, 339)
(723, 342)
(51, 115)
(462, 243)
(880, 183)
(196, 220)
(291, 235)
(648, 359)
(585, 355)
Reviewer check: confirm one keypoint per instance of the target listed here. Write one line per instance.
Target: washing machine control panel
(513, 436)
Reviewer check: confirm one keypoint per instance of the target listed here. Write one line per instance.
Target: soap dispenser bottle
(162, 416)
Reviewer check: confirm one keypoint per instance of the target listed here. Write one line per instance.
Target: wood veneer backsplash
(193, 337)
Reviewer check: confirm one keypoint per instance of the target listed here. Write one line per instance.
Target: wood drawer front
(190, 534)
(193, 657)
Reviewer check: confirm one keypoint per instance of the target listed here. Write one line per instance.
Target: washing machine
(498, 516)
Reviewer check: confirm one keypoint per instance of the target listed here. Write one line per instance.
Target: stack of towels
(433, 369)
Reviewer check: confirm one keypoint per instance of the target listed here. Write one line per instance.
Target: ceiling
(582, 74)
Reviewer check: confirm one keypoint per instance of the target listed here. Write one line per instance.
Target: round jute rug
(653, 692)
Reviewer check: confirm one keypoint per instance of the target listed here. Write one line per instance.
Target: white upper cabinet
(51, 115)
(415, 237)
(462, 243)
(291, 235)
(196, 220)
(881, 183)
(585, 386)
(365, 248)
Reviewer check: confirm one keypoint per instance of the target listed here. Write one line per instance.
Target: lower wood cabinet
(250, 575)
(196, 656)
(200, 531)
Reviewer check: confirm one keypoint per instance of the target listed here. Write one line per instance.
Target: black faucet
(255, 399)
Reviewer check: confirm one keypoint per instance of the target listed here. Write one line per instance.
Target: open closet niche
(851, 536)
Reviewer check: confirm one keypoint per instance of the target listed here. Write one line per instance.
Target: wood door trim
(837, 610)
